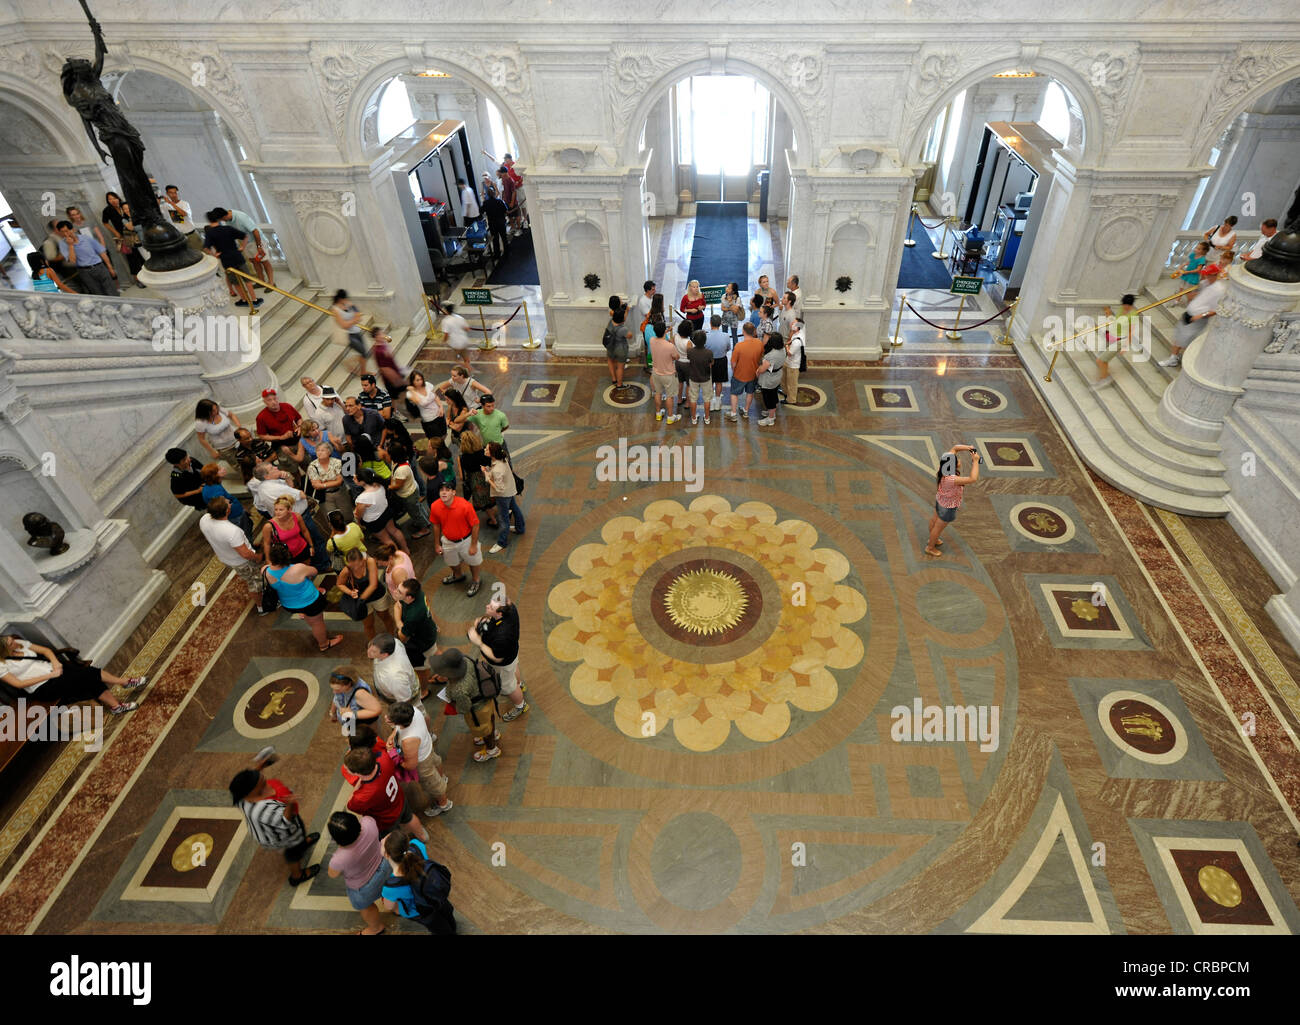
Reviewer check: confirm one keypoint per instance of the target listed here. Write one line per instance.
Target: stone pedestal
(1216, 365)
(235, 376)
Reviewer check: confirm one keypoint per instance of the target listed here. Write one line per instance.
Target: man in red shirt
(457, 526)
(278, 424)
(379, 794)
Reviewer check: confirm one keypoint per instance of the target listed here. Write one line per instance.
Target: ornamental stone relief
(503, 68)
(632, 70)
(1249, 67)
(20, 132)
(342, 65)
(937, 69)
(210, 75)
(56, 317)
(1286, 334)
(1110, 73)
(1248, 316)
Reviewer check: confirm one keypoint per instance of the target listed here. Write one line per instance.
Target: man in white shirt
(1196, 319)
(268, 484)
(1266, 231)
(468, 203)
(254, 247)
(324, 406)
(394, 676)
(792, 285)
(179, 213)
(642, 308)
(231, 547)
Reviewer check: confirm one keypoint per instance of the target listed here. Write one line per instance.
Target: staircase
(297, 342)
(1117, 431)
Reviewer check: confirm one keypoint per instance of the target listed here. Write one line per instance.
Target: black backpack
(431, 894)
(487, 682)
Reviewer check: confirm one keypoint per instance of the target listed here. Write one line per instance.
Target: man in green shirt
(416, 628)
(457, 672)
(492, 423)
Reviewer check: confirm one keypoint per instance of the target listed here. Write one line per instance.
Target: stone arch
(584, 249)
(369, 86)
(849, 249)
(656, 90)
(60, 124)
(1078, 94)
(1215, 126)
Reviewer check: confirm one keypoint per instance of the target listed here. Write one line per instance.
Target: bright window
(950, 144)
(1055, 118)
(395, 114)
(722, 123)
(503, 140)
(931, 151)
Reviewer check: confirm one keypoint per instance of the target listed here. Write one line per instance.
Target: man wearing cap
(1196, 318)
(278, 424)
(457, 539)
(324, 406)
(454, 669)
(186, 482)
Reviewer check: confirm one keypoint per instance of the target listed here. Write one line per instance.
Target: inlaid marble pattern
(783, 629)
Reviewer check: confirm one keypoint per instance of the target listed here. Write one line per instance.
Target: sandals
(310, 873)
(331, 643)
(381, 932)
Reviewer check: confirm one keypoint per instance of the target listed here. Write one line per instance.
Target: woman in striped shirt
(951, 485)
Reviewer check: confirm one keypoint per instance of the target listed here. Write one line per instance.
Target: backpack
(436, 912)
(487, 682)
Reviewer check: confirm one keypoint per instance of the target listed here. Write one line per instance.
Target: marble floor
(732, 678)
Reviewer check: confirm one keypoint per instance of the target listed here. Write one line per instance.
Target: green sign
(477, 296)
(713, 294)
(963, 286)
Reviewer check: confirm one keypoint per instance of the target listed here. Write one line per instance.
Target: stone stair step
(1107, 448)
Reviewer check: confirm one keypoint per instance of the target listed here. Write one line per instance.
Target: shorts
(456, 552)
(299, 850)
(1109, 351)
(661, 385)
(378, 524)
(382, 602)
(240, 266)
(509, 677)
(435, 428)
(618, 352)
(416, 654)
(371, 890)
(251, 574)
(314, 609)
(721, 373)
(683, 373)
(356, 343)
(944, 513)
(739, 387)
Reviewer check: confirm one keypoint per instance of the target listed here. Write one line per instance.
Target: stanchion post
(898, 326)
(939, 254)
(433, 332)
(1006, 338)
(1051, 366)
(909, 241)
(487, 342)
(530, 344)
(953, 334)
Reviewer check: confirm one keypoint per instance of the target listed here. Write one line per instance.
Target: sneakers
(433, 811)
(716, 403)
(673, 419)
(123, 708)
(706, 421)
(1105, 382)
(731, 416)
(453, 578)
(478, 741)
(1173, 361)
(515, 712)
(514, 530)
(766, 422)
(659, 415)
(496, 548)
(242, 302)
(745, 413)
(473, 589)
(487, 756)
(135, 683)
(265, 755)
(695, 420)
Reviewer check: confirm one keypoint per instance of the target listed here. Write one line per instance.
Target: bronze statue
(45, 533)
(86, 94)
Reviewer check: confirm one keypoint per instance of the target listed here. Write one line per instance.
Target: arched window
(395, 113)
(1055, 118)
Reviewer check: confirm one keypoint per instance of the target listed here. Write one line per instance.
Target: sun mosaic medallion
(696, 620)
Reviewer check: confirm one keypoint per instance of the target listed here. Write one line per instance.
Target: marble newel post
(1217, 364)
(235, 375)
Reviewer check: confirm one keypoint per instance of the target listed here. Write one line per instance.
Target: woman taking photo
(215, 428)
(117, 219)
(501, 480)
(360, 581)
(951, 486)
(374, 515)
(693, 304)
(733, 311)
(432, 413)
(347, 329)
(293, 584)
(38, 673)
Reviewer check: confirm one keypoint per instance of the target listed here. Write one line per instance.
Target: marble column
(235, 375)
(1217, 364)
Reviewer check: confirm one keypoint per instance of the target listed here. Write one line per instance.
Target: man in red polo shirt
(457, 525)
(378, 792)
(278, 424)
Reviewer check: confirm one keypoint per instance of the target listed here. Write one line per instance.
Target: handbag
(270, 596)
(356, 609)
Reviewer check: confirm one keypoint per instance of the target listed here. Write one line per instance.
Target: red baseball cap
(268, 392)
(1209, 269)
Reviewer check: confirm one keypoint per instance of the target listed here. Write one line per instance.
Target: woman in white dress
(1222, 238)
(433, 416)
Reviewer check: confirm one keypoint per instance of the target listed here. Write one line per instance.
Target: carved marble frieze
(1286, 335)
(1249, 67)
(49, 317)
(1110, 73)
